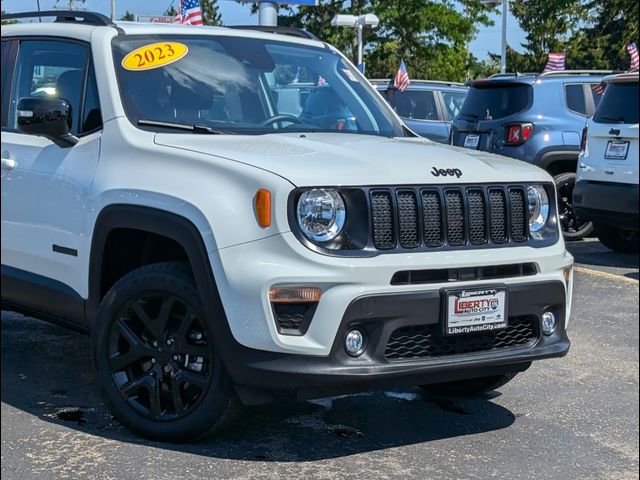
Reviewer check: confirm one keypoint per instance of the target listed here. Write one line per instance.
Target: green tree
(6, 22)
(482, 68)
(211, 12)
(170, 12)
(610, 26)
(128, 16)
(549, 26)
(430, 35)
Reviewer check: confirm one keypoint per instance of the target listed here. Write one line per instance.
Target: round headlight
(538, 202)
(321, 214)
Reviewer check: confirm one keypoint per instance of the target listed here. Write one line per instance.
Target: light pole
(268, 14)
(503, 42)
(351, 21)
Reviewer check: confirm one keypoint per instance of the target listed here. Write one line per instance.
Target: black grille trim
(432, 226)
(444, 275)
(457, 217)
(383, 219)
(498, 221)
(519, 214)
(408, 219)
(427, 341)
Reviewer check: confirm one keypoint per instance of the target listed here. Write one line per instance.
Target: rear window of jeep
(494, 100)
(619, 104)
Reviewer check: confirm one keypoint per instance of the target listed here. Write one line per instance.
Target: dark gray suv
(426, 106)
(537, 118)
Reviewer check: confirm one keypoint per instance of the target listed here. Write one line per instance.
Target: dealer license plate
(470, 311)
(472, 141)
(616, 150)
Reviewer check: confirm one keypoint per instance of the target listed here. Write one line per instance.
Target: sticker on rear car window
(154, 55)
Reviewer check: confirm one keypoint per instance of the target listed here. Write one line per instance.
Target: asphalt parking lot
(575, 417)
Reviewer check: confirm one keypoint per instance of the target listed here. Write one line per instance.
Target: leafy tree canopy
(430, 35)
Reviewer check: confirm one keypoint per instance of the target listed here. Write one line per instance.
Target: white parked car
(606, 191)
(222, 252)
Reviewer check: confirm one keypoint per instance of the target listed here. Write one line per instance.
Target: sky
(234, 13)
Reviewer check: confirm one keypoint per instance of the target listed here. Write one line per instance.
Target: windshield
(493, 100)
(245, 85)
(619, 104)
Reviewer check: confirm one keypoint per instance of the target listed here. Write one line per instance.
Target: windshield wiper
(195, 128)
(615, 119)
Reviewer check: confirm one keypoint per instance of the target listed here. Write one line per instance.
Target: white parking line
(610, 276)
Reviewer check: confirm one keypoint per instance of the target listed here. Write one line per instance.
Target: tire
(573, 227)
(468, 388)
(153, 349)
(617, 239)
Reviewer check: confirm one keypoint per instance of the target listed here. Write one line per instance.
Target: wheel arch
(557, 160)
(171, 226)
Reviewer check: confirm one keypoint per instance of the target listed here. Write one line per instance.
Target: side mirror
(46, 117)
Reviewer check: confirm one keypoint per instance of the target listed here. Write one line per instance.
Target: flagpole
(503, 56)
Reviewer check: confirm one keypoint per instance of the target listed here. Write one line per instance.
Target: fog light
(549, 323)
(354, 343)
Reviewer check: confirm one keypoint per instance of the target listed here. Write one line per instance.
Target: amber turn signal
(263, 207)
(294, 294)
(566, 273)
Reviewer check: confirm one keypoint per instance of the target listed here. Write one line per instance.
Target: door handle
(8, 164)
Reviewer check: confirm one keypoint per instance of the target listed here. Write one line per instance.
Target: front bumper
(359, 291)
(244, 274)
(610, 204)
(260, 374)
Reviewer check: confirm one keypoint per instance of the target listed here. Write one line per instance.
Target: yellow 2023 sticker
(154, 56)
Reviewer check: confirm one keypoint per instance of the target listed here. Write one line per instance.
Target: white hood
(335, 159)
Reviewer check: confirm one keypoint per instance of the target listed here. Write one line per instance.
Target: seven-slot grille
(430, 217)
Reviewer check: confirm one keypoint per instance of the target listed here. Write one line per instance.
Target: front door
(46, 189)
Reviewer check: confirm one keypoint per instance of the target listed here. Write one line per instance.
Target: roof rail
(413, 81)
(576, 72)
(291, 31)
(63, 16)
(512, 74)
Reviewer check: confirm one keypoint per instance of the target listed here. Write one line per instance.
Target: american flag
(402, 81)
(556, 61)
(189, 12)
(598, 88)
(633, 51)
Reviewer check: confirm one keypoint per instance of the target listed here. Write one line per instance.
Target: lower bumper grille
(428, 341)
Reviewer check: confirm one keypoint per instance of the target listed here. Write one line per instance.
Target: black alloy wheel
(159, 356)
(153, 346)
(573, 227)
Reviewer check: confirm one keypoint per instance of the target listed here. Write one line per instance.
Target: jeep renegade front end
(224, 245)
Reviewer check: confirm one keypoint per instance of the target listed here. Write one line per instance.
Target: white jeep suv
(221, 252)
(606, 190)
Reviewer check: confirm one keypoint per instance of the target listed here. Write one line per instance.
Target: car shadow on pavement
(47, 372)
(589, 252)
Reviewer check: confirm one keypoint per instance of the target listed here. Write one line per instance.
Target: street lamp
(351, 21)
(505, 9)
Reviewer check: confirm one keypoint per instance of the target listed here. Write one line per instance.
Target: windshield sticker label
(154, 56)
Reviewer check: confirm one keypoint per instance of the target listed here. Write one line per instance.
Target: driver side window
(57, 68)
